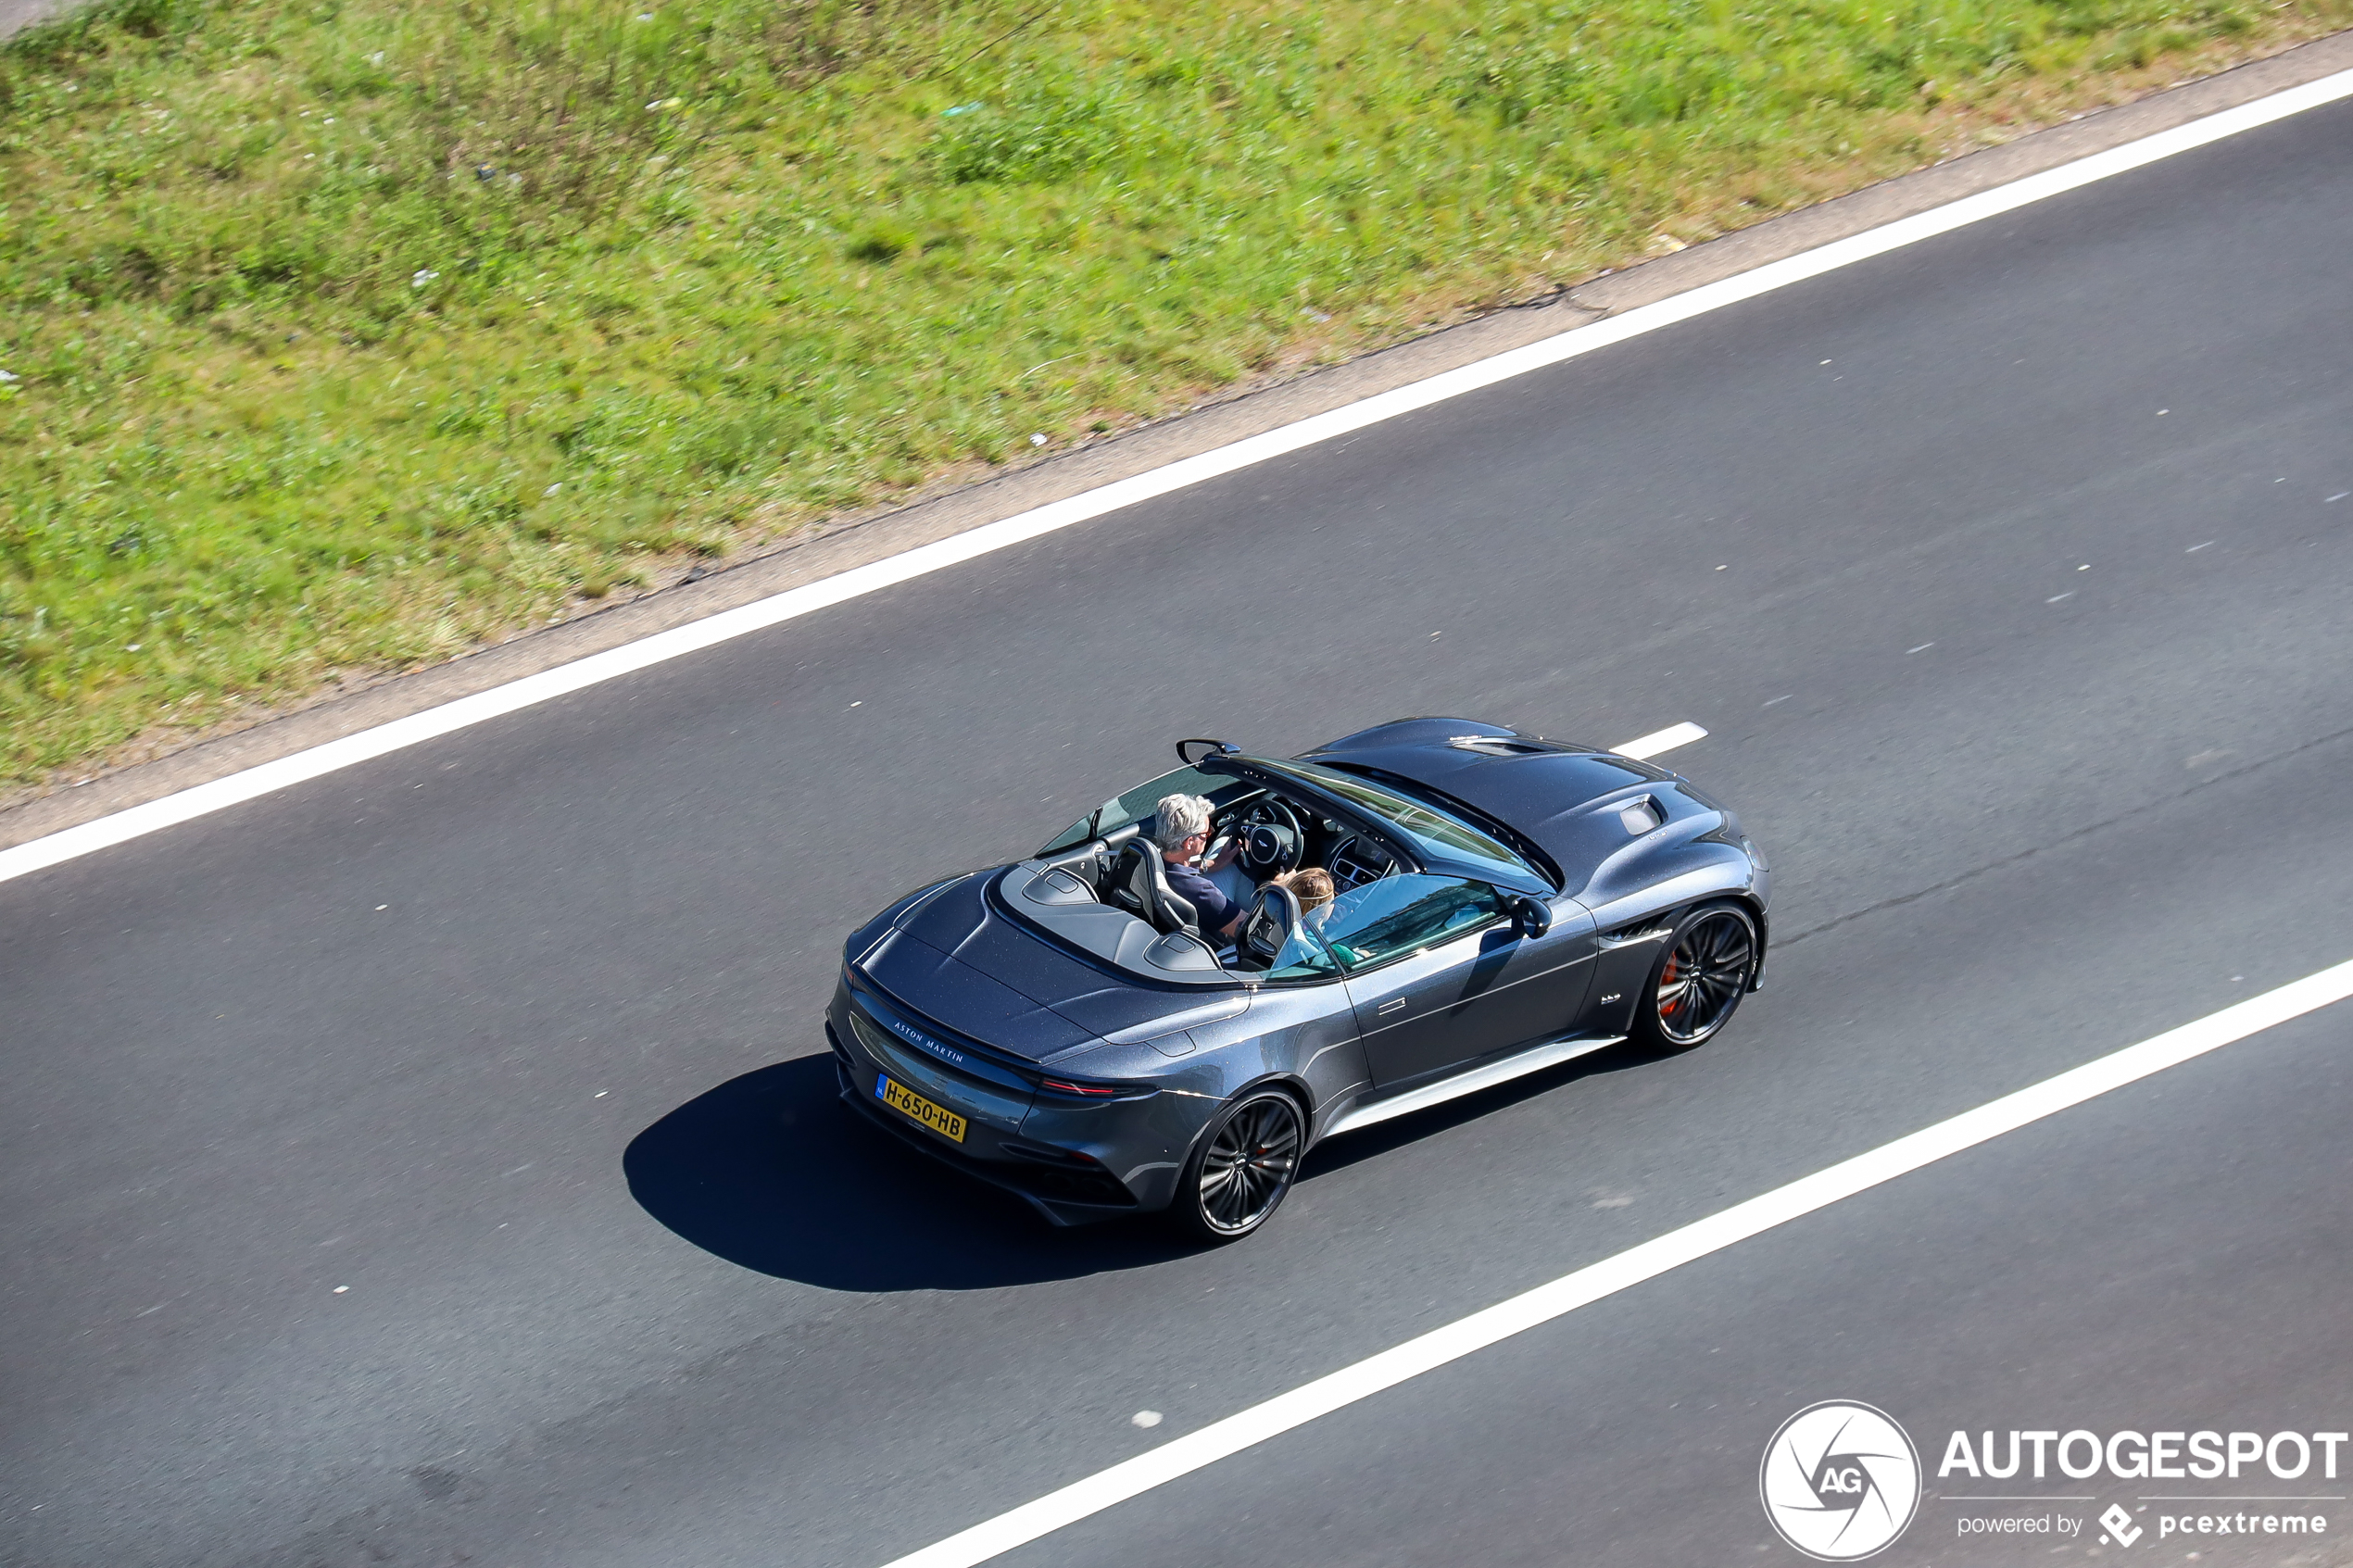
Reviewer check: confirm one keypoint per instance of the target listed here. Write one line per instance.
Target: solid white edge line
(1660, 741)
(1541, 1305)
(49, 851)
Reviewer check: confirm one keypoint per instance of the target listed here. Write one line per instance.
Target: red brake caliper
(1666, 978)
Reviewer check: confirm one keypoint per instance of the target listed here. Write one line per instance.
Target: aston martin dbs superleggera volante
(1063, 1028)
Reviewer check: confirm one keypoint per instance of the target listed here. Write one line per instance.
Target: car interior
(1118, 868)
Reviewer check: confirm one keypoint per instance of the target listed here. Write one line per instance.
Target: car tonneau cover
(1057, 901)
(970, 966)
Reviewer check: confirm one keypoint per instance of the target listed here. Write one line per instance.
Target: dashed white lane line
(1660, 741)
(268, 777)
(1221, 1439)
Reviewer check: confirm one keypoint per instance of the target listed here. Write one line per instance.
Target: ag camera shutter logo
(1840, 1481)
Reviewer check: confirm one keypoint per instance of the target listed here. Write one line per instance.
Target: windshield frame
(1415, 853)
(1526, 849)
(1281, 778)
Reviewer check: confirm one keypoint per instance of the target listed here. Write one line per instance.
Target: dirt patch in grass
(343, 336)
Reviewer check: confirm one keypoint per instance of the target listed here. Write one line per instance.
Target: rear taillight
(1094, 1094)
(1092, 1091)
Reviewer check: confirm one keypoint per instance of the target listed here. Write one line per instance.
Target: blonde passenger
(1312, 885)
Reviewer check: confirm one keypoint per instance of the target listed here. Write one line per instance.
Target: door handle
(1394, 1005)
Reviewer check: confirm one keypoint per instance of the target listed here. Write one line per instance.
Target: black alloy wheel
(1698, 984)
(1243, 1167)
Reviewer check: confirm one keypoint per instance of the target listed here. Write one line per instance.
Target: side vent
(1651, 930)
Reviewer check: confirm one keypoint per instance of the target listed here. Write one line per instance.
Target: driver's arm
(1227, 914)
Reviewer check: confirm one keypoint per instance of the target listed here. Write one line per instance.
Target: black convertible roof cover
(1538, 787)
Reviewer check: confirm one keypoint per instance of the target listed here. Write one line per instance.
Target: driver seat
(1139, 884)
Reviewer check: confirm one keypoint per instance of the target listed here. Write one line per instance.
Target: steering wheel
(1271, 837)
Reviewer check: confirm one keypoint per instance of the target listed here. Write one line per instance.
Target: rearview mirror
(1532, 916)
(1207, 746)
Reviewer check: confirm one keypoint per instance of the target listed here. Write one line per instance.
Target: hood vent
(1496, 745)
(1641, 815)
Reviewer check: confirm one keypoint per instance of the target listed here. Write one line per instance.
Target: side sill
(1503, 1070)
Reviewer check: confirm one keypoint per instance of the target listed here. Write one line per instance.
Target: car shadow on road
(772, 1173)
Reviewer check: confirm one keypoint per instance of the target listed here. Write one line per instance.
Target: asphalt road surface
(436, 1164)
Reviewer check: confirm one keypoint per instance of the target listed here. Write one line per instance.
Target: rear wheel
(1698, 982)
(1243, 1167)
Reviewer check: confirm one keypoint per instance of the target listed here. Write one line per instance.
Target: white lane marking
(268, 777)
(1660, 741)
(1196, 1450)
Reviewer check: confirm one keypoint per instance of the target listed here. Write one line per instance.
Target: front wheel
(1697, 984)
(1243, 1167)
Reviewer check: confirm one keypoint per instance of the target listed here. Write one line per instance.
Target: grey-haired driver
(1181, 829)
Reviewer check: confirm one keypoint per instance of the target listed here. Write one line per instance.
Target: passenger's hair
(1310, 885)
(1181, 816)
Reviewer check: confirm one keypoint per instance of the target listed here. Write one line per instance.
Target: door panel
(1476, 996)
(1414, 1014)
(1536, 988)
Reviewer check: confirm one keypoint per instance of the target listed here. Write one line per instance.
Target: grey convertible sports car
(1062, 1028)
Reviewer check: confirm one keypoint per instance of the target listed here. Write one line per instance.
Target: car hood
(974, 969)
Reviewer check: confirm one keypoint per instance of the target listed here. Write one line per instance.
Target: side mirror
(1532, 916)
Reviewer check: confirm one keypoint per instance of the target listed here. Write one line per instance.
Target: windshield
(1434, 833)
(1136, 805)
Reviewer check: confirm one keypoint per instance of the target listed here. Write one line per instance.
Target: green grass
(346, 333)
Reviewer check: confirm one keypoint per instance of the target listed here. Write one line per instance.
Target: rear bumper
(1066, 1187)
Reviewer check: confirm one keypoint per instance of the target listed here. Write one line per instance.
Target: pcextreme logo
(1840, 1481)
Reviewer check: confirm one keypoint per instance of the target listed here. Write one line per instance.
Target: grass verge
(345, 335)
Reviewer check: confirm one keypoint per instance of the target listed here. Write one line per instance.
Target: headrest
(1131, 877)
(1139, 882)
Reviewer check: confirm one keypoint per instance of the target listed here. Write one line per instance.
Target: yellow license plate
(939, 1119)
